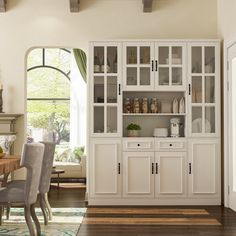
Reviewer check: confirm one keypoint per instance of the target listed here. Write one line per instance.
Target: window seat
(72, 170)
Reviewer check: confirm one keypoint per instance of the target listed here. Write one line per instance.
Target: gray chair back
(49, 150)
(32, 158)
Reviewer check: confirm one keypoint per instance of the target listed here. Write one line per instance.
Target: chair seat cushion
(12, 195)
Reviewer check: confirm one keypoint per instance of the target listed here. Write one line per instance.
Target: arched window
(48, 96)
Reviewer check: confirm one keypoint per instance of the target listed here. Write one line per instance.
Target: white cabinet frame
(118, 105)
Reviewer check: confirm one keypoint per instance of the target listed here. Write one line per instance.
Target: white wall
(29, 23)
(226, 19)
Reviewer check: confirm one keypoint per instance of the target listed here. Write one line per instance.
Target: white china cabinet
(171, 89)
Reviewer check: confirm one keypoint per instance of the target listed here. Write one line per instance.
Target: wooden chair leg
(45, 199)
(44, 209)
(8, 212)
(29, 221)
(35, 219)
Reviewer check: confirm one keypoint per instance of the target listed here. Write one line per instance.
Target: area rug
(66, 222)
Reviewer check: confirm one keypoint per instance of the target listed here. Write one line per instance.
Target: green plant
(133, 126)
(78, 152)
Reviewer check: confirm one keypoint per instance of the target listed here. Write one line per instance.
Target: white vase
(133, 133)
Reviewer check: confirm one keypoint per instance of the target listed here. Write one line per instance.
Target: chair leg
(35, 219)
(45, 199)
(44, 209)
(1, 213)
(8, 212)
(29, 221)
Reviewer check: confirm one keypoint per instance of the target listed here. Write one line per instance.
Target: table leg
(4, 180)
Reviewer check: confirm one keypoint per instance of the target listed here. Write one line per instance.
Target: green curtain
(81, 60)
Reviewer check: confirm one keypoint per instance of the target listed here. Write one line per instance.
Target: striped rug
(148, 216)
(66, 222)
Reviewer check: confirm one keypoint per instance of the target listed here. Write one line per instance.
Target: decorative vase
(133, 133)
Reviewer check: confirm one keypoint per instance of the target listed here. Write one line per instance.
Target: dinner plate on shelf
(197, 126)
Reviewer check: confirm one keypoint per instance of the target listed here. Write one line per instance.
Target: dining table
(8, 164)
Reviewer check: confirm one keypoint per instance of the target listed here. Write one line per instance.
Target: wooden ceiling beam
(3, 5)
(147, 5)
(74, 5)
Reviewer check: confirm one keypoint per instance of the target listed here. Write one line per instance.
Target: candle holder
(1, 101)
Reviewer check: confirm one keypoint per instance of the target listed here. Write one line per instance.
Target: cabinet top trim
(156, 40)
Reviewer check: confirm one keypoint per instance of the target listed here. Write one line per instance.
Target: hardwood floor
(163, 221)
(68, 196)
(146, 221)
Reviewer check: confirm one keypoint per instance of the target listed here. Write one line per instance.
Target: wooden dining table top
(9, 163)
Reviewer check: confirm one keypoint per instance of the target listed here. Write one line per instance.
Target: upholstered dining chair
(26, 195)
(45, 179)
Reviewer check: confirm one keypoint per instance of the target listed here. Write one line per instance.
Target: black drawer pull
(119, 168)
(152, 168)
(152, 65)
(138, 145)
(171, 144)
(156, 168)
(190, 168)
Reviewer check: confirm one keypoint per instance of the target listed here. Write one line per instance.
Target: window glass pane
(176, 55)
(112, 89)
(98, 119)
(144, 55)
(131, 55)
(99, 89)
(35, 58)
(47, 83)
(49, 121)
(145, 76)
(132, 76)
(58, 58)
(111, 119)
(176, 76)
(163, 56)
(209, 59)
(196, 119)
(163, 76)
(196, 89)
(196, 59)
(210, 120)
(111, 59)
(98, 62)
(209, 89)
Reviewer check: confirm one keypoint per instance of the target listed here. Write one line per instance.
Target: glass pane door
(170, 66)
(203, 90)
(138, 66)
(106, 89)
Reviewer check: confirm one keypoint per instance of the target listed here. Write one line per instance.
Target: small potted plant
(133, 130)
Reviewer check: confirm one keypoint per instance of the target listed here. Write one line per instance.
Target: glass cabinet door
(202, 89)
(170, 66)
(106, 89)
(138, 66)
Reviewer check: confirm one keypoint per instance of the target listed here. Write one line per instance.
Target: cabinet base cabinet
(204, 168)
(170, 180)
(105, 177)
(138, 174)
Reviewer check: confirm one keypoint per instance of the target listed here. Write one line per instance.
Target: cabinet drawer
(168, 145)
(138, 144)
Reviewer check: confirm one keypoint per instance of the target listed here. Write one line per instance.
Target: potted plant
(133, 130)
